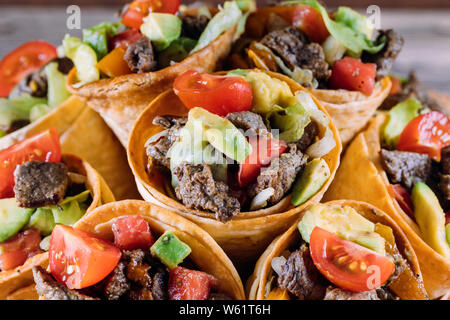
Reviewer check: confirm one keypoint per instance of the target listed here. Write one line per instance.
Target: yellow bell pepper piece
(278, 294)
(113, 64)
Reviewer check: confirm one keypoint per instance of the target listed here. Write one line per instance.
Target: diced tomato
(427, 133)
(347, 264)
(311, 22)
(263, 151)
(217, 94)
(124, 39)
(79, 259)
(396, 85)
(132, 232)
(354, 75)
(133, 19)
(43, 146)
(185, 284)
(16, 251)
(403, 198)
(139, 9)
(27, 58)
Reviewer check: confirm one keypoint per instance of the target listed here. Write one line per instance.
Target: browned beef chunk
(300, 277)
(197, 189)
(140, 56)
(312, 57)
(49, 288)
(158, 149)
(251, 123)
(193, 26)
(117, 285)
(280, 174)
(341, 294)
(406, 168)
(445, 160)
(309, 134)
(159, 284)
(444, 185)
(386, 57)
(39, 184)
(15, 125)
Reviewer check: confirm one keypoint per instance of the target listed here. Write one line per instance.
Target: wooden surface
(427, 35)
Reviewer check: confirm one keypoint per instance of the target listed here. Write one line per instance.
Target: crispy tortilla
(361, 177)
(13, 282)
(408, 286)
(120, 100)
(206, 253)
(247, 234)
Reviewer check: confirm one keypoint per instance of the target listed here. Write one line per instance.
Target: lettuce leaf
(17, 108)
(291, 121)
(97, 37)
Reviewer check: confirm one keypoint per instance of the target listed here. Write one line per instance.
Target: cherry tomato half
(139, 9)
(43, 146)
(23, 60)
(79, 259)
(185, 284)
(132, 232)
(217, 94)
(354, 75)
(347, 264)
(17, 250)
(403, 198)
(311, 22)
(427, 133)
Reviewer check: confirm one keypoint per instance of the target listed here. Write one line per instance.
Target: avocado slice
(12, 218)
(68, 213)
(345, 222)
(170, 250)
(43, 220)
(431, 218)
(161, 29)
(314, 176)
(398, 118)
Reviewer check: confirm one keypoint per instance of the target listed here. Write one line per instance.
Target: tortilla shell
(206, 253)
(247, 234)
(351, 110)
(12, 281)
(408, 286)
(120, 100)
(361, 177)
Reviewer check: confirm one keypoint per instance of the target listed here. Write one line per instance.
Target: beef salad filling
(416, 157)
(135, 267)
(317, 49)
(37, 192)
(333, 257)
(246, 143)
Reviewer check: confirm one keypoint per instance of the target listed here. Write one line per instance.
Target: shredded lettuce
(57, 91)
(355, 21)
(38, 111)
(176, 52)
(97, 37)
(291, 121)
(17, 108)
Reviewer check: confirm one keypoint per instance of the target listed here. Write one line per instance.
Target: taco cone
(18, 283)
(407, 286)
(361, 177)
(120, 100)
(205, 254)
(247, 234)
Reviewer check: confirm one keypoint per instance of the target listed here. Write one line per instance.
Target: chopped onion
(277, 264)
(323, 146)
(76, 178)
(156, 137)
(308, 103)
(45, 243)
(260, 200)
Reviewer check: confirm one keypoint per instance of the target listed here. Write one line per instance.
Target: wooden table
(427, 35)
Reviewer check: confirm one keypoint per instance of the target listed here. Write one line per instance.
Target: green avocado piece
(12, 218)
(43, 220)
(161, 29)
(67, 213)
(431, 218)
(314, 176)
(447, 233)
(398, 118)
(170, 250)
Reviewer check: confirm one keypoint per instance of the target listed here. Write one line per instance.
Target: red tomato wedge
(403, 198)
(217, 94)
(132, 19)
(23, 60)
(17, 250)
(79, 259)
(43, 146)
(353, 75)
(139, 9)
(132, 232)
(427, 133)
(124, 39)
(263, 151)
(311, 22)
(347, 264)
(185, 284)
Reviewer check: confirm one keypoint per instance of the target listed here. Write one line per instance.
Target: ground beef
(386, 57)
(140, 56)
(311, 57)
(39, 184)
(158, 149)
(300, 277)
(444, 185)
(49, 288)
(117, 284)
(193, 26)
(159, 284)
(251, 123)
(280, 174)
(197, 189)
(384, 293)
(341, 294)
(309, 134)
(406, 168)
